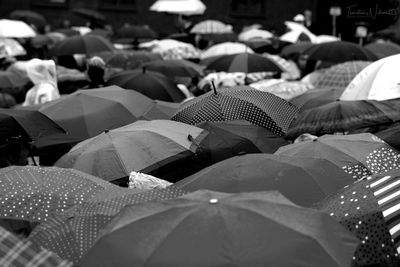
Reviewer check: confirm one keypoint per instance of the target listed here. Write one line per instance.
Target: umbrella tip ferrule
(213, 201)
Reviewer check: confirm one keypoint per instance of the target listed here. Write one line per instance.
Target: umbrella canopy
(340, 75)
(343, 116)
(87, 44)
(297, 32)
(243, 62)
(35, 193)
(10, 48)
(362, 208)
(15, 29)
(255, 34)
(89, 13)
(238, 103)
(227, 48)
(25, 125)
(16, 252)
(29, 17)
(210, 218)
(290, 69)
(141, 146)
(377, 81)
(175, 68)
(172, 49)
(80, 226)
(136, 32)
(264, 140)
(304, 181)
(182, 7)
(390, 135)
(383, 49)
(127, 59)
(283, 89)
(338, 52)
(357, 154)
(87, 113)
(211, 27)
(12, 80)
(315, 98)
(295, 49)
(152, 84)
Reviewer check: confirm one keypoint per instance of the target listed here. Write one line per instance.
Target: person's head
(14, 153)
(96, 70)
(299, 18)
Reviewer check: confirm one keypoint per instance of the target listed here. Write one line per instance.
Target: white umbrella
(10, 48)
(211, 27)
(378, 81)
(326, 38)
(182, 7)
(295, 30)
(15, 29)
(227, 48)
(255, 34)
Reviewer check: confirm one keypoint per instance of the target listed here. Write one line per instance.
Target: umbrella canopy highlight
(15, 29)
(227, 48)
(209, 218)
(211, 27)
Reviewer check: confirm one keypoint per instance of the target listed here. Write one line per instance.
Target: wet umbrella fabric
(383, 49)
(264, 140)
(87, 44)
(136, 32)
(343, 116)
(360, 207)
(127, 59)
(36, 193)
(11, 80)
(175, 68)
(338, 52)
(284, 89)
(142, 146)
(340, 75)
(316, 98)
(295, 49)
(25, 125)
(74, 232)
(152, 84)
(87, 113)
(239, 103)
(391, 136)
(194, 230)
(358, 154)
(243, 62)
(304, 181)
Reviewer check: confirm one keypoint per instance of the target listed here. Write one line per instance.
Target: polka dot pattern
(239, 103)
(356, 208)
(383, 160)
(36, 193)
(357, 171)
(79, 227)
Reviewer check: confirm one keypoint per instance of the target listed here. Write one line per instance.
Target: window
(128, 5)
(248, 8)
(50, 3)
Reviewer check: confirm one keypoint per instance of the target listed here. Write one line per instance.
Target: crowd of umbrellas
(230, 155)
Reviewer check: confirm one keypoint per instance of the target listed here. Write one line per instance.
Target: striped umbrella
(239, 103)
(369, 208)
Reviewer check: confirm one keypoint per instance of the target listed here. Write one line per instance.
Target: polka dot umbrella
(74, 232)
(343, 116)
(239, 103)
(369, 209)
(303, 181)
(35, 193)
(357, 154)
(208, 228)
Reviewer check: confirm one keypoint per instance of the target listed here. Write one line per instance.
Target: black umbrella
(29, 17)
(152, 84)
(339, 51)
(87, 44)
(175, 67)
(136, 32)
(239, 103)
(315, 98)
(89, 13)
(25, 125)
(127, 59)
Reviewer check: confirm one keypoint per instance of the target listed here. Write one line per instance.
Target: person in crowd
(96, 70)
(43, 75)
(14, 152)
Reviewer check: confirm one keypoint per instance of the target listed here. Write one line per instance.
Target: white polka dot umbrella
(239, 103)
(36, 193)
(358, 154)
(369, 209)
(74, 232)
